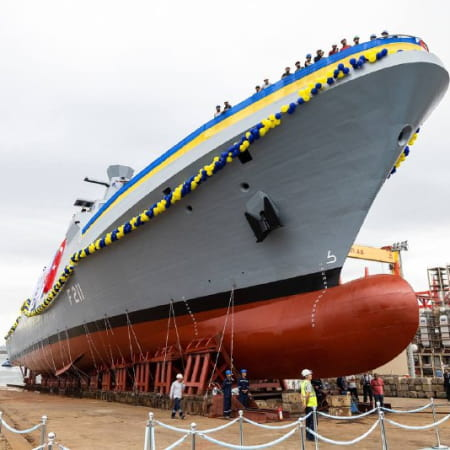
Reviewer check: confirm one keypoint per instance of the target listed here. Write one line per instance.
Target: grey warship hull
(321, 169)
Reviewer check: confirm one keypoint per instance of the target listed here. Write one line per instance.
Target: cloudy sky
(85, 84)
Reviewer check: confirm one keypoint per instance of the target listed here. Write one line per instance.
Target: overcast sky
(86, 84)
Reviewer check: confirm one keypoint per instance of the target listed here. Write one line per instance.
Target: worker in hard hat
(176, 395)
(244, 388)
(227, 387)
(309, 399)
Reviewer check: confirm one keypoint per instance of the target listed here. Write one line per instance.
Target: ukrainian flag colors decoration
(260, 130)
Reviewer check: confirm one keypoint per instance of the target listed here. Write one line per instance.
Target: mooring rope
(220, 344)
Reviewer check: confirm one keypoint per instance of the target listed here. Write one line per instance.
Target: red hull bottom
(342, 330)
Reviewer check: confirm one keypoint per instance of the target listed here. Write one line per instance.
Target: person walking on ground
(309, 399)
(367, 388)
(378, 389)
(227, 387)
(342, 384)
(351, 379)
(244, 388)
(176, 395)
(447, 383)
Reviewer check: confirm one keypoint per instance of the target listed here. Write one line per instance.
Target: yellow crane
(389, 254)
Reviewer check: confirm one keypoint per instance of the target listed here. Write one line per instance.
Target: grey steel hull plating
(322, 168)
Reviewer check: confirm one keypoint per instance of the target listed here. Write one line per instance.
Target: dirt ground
(95, 425)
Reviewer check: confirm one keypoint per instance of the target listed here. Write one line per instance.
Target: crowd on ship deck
(298, 66)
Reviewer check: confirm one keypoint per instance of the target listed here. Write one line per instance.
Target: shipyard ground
(94, 425)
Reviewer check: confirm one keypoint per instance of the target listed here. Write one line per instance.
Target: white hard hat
(306, 372)
(179, 375)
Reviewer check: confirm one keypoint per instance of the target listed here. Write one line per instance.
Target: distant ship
(241, 230)
(6, 363)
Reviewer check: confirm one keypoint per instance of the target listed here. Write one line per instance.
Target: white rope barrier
(180, 441)
(248, 447)
(353, 441)
(274, 427)
(221, 427)
(406, 411)
(169, 427)
(39, 448)
(359, 416)
(13, 430)
(418, 427)
(296, 426)
(183, 430)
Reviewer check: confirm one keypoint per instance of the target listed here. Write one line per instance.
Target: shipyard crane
(389, 254)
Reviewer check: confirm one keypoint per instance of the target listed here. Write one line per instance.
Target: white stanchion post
(316, 439)
(51, 440)
(151, 417)
(193, 433)
(43, 429)
(149, 423)
(384, 445)
(436, 428)
(241, 427)
(301, 430)
(1, 420)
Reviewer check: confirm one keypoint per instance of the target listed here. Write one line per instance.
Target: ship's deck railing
(297, 428)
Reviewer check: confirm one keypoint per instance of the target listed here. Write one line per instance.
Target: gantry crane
(389, 254)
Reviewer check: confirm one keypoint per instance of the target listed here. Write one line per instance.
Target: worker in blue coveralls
(227, 386)
(244, 388)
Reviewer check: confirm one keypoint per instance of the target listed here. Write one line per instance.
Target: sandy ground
(94, 425)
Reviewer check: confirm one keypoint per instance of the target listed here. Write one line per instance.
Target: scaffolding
(433, 335)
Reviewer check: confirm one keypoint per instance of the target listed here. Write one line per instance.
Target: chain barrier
(297, 427)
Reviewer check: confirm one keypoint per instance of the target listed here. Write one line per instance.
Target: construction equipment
(389, 254)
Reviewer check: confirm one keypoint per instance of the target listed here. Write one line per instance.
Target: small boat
(6, 363)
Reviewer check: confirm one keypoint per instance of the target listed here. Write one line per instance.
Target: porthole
(245, 187)
(404, 135)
